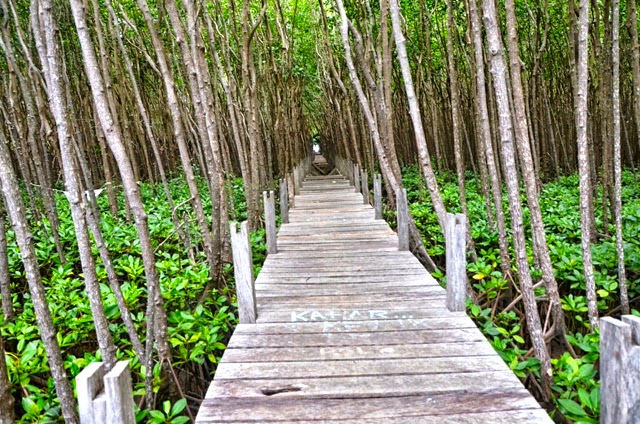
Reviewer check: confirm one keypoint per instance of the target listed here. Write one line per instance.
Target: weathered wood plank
(313, 354)
(498, 417)
(363, 386)
(359, 367)
(367, 326)
(456, 402)
(357, 339)
(345, 314)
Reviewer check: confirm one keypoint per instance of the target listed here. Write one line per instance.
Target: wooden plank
(494, 417)
(367, 326)
(263, 278)
(313, 354)
(266, 289)
(369, 386)
(357, 339)
(344, 314)
(272, 408)
(286, 299)
(356, 305)
(363, 367)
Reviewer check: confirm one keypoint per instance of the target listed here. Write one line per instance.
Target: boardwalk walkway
(351, 330)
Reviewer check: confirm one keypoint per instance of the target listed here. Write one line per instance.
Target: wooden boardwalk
(352, 330)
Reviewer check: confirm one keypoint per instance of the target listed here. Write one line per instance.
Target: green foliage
(198, 330)
(575, 380)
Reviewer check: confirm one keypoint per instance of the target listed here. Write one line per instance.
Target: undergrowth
(575, 379)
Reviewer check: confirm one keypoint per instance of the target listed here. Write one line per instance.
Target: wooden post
(91, 400)
(117, 386)
(455, 245)
(296, 180)
(284, 200)
(243, 271)
(365, 187)
(105, 398)
(620, 370)
(270, 221)
(402, 220)
(377, 195)
(356, 178)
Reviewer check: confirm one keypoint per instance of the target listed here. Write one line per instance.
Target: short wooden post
(270, 221)
(91, 400)
(284, 201)
(377, 195)
(105, 398)
(455, 244)
(365, 187)
(117, 386)
(356, 178)
(243, 271)
(296, 180)
(620, 370)
(402, 219)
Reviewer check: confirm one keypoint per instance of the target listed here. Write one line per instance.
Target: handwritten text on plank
(343, 315)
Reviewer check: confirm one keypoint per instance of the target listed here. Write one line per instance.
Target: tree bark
(581, 110)
(617, 156)
(499, 72)
(16, 210)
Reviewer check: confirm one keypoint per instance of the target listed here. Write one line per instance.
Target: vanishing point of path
(350, 330)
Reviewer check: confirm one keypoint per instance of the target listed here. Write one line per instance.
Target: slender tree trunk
(632, 27)
(499, 72)
(416, 119)
(7, 414)
(457, 121)
(132, 192)
(581, 110)
(75, 193)
(529, 175)
(16, 210)
(5, 277)
(486, 143)
(617, 156)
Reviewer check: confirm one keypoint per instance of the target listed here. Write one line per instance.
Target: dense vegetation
(198, 327)
(575, 384)
(521, 115)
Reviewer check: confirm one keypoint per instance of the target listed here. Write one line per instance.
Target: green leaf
(178, 407)
(518, 338)
(30, 406)
(595, 400)
(572, 407)
(157, 416)
(180, 420)
(584, 398)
